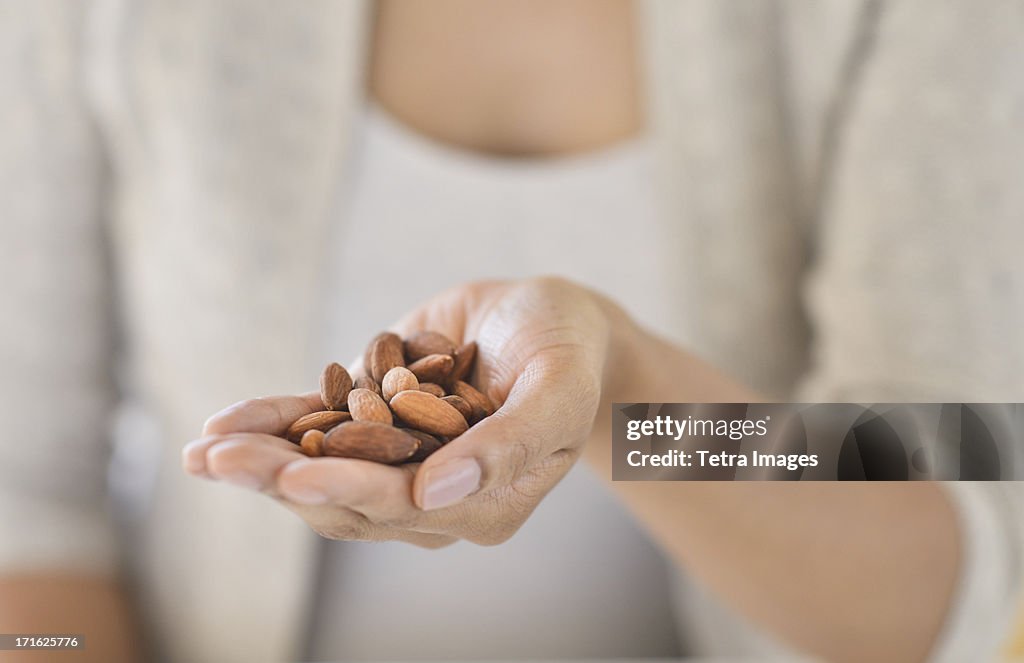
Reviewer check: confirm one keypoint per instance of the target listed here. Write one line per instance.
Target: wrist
(640, 366)
(622, 346)
(621, 352)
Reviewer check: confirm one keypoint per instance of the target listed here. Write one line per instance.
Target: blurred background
(205, 201)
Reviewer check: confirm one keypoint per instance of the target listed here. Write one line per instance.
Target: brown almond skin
(424, 343)
(428, 445)
(366, 382)
(322, 420)
(433, 388)
(432, 368)
(398, 379)
(481, 404)
(460, 404)
(335, 383)
(383, 354)
(465, 357)
(365, 405)
(369, 440)
(428, 413)
(312, 443)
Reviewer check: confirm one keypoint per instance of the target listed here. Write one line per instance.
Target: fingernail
(450, 483)
(192, 460)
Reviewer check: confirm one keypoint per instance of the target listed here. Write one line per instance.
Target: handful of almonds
(413, 400)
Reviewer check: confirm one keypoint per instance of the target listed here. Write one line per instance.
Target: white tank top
(580, 579)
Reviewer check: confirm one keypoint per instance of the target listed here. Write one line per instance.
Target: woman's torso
(229, 164)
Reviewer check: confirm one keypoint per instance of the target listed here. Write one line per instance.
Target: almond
(424, 343)
(395, 413)
(432, 368)
(312, 443)
(433, 388)
(465, 356)
(398, 379)
(335, 383)
(323, 420)
(428, 445)
(428, 413)
(383, 354)
(369, 440)
(460, 404)
(481, 404)
(366, 405)
(366, 382)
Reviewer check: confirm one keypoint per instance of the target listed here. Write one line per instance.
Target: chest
(509, 77)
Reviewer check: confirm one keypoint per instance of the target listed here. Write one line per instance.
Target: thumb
(550, 408)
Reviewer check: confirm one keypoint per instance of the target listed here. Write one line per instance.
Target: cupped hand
(542, 348)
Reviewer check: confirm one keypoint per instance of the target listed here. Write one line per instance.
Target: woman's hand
(543, 350)
(556, 355)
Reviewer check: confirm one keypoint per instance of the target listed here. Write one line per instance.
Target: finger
(271, 414)
(193, 455)
(550, 408)
(380, 493)
(249, 460)
(343, 524)
(347, 499)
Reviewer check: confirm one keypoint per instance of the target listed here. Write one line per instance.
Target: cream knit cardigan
(845, 174)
